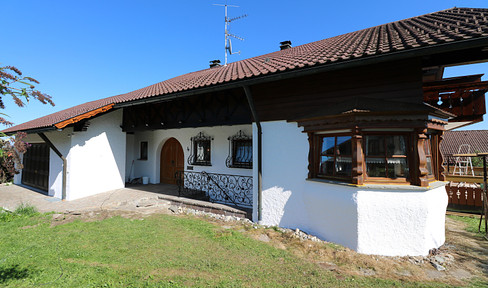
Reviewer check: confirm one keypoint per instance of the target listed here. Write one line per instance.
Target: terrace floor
(132, 197)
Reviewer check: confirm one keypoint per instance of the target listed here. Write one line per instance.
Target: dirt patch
(463, 258)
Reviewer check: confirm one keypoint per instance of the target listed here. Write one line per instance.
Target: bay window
(386, 156)
(335, 157)
(373, 156)
(368, 140)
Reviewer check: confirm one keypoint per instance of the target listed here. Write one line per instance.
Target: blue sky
(86, 50)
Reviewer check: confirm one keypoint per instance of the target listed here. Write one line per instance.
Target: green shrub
(22, 211)
(26, 210)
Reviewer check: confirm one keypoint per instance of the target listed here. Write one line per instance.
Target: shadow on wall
(96, 158)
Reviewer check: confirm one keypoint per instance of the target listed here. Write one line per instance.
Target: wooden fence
(464, 196)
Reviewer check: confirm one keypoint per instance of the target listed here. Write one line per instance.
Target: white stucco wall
(401, 222)
(370, 220)
(97, 158)
(156, 139)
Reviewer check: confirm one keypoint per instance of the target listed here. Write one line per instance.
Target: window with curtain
(386, 156)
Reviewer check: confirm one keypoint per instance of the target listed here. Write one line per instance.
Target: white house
(339, 137)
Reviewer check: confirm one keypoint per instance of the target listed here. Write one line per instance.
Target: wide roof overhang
(451, 52)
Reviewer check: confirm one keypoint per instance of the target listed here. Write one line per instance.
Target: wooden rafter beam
(483, 85)
(86, 115)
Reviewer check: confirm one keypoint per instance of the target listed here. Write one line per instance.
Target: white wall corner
(400, 223)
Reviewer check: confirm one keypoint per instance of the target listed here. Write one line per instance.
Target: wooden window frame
(408, 157)
(318, 139)
(415, 157)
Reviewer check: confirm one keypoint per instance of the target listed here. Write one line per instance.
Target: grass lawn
(158, 251)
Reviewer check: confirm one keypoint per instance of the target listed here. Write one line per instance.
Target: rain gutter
(250, 100)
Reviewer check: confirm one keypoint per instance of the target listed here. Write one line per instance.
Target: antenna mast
(228, 35)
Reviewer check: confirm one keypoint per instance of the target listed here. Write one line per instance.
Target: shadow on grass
(13, 272)
(473, 250)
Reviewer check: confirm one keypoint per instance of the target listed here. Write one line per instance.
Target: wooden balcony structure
(462, 96)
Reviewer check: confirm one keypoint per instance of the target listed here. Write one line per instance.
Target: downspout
(51, 145)
(260, 157)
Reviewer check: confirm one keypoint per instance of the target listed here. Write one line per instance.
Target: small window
(335, 157)
(240, 151)
(201, 150)
(143, 151)
(386, 156)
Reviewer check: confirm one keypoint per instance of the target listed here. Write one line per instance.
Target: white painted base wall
(401, 222)
(96, 158)
(370, 220)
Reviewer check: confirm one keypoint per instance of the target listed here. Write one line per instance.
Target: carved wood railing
(465, 195)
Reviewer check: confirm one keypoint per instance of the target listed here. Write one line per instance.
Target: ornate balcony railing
(463, 96)
(221, 188)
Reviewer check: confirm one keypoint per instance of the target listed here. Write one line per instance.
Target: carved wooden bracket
(442, 176)
(357, 158)
(311, 156)
(422, 172)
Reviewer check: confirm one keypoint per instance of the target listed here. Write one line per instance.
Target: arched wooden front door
(172, 160)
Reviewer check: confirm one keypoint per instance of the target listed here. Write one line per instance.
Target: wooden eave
(369, 120)
(83, 116)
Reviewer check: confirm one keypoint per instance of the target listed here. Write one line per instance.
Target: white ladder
(463, 163)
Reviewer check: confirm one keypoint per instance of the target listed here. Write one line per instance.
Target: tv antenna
(228, 35)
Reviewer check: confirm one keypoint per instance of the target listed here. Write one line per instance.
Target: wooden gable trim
(86, 115)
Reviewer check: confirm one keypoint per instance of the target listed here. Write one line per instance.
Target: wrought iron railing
(222, 188)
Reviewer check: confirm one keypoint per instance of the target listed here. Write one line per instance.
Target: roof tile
(449, 25)
(477, 139)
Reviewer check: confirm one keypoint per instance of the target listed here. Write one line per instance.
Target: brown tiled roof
(477, 139)
(432, 29)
